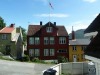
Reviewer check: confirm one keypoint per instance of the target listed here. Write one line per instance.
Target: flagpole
(49, 14)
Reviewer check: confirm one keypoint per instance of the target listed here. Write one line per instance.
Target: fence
(74, 68)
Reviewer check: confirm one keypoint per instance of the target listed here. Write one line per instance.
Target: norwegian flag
(51, 5)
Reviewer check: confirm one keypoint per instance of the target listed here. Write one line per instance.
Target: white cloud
(76, 26)
(53, 15)
(90, 1)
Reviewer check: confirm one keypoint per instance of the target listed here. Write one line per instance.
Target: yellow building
(76, 49)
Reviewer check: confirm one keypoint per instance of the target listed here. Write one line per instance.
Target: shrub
(26, 58)
(62, 59)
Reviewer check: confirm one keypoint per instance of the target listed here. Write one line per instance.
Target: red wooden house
(47, 42)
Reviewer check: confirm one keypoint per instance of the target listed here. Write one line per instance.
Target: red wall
(56, 46)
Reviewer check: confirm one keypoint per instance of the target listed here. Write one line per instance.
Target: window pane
(49, 29)
(37, 40)
(46, 40)
(31, 52)
(62, 51)
(51, 40)
(37, 53)
(46, 52)
(4, 36)
(62, 40)
(52, 52)
(74, 48)
(31, 40)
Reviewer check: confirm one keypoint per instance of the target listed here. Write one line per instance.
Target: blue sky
(77, 13)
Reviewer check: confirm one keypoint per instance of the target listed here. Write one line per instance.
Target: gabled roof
(49, 24)
(93, 49)
(94, 26)
(33, 29)
(79, 42)
(7, 30)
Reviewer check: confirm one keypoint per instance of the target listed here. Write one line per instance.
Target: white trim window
(62, 40)
(31, 52)
(37, 40)
(74, 48)
(52, 41)
(34, 52)
(31, 40)
(46, 52)
(37, 52)
(46, 40)
(4, 36)
(52, 52)
(49, 29)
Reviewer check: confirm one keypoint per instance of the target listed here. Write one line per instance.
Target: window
(49, 52)
(49, 29)
(51, 40)
(31, 40)
(34, 52)
(74, 48)
(46, 52)
(37, 40)
(62, 51)
(52, 52)
(34, 40)
(46, 40)
(37, 53)
(4, 36)
(62, 40)
(31, 52)
(83, 48)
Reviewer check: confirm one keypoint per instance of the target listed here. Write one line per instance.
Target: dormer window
(49, 29)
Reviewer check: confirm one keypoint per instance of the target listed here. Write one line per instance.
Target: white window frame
(34, 52)
(31, 40)
(46, 52)
(62, 40)
(31, 52)
(74, 48)
(37, 52)
(52, 41)
(4, 36)
(52, 52)
(37, 40)
(46, 40)
(49, 29)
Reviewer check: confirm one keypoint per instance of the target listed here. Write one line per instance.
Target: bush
(26, 58)
(35, 60)
(62, 59)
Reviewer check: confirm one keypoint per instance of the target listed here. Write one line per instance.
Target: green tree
(2, 23)
(24, 35)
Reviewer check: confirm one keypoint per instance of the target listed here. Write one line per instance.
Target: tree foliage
(2, 23)
(24, 34)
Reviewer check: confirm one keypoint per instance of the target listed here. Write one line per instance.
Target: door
(74, 58)
(8, 50)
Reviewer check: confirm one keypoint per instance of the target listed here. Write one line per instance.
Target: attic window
(49, 29)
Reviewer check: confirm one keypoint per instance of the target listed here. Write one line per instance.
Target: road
(22, 68)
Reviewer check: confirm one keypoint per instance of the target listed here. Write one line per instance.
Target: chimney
(55, 23)
(73, 34)
(12, 25)
(40, 22)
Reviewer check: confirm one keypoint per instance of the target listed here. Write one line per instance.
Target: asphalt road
(21, 68)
